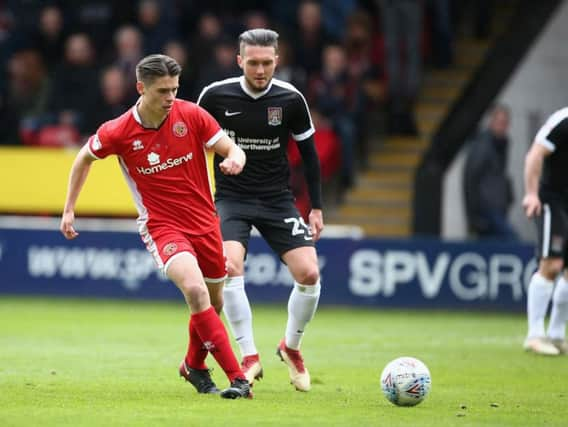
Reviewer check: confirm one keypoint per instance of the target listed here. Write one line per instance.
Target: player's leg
(549, 251)
(302, 305)
(235, 226)
(238, 311)
(538, 299)
(303, 265)
(165, 246)
(289, 236)
(185, 273)
(559, 314)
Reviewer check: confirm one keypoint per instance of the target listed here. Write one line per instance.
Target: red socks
(208, 334)
(196, 353)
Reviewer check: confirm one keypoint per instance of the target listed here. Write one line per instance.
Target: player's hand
(230, 167)
(316, 223)
(532, 205)
(66, 226)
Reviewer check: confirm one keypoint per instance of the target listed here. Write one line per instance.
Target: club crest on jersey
(153, 158)
(179, 129)
(137, 145)
(169, 249)
(274, 116)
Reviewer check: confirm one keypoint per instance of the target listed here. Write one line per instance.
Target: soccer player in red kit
(161, 146)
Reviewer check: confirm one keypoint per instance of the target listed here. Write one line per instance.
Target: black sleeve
(301, 123)
(312, 173)
(559, 133)
(204, 99)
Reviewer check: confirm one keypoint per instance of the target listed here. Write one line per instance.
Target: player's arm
(312, 174)
(234, 157)
(533, 170)
(79, 172)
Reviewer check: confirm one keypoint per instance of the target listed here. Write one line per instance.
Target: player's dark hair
(258, 37)
(152, 67)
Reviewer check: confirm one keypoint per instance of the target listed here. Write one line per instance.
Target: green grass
(93, 363)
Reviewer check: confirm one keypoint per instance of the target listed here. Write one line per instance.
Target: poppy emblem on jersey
(153, 158)
(170, 249)
(137, 145)
(274, 116)
(180, 129)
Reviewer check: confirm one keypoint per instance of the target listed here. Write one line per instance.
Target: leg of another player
(538, 298)
(303, 265)
(216, 290)
(238, 311)
(209, 329)
(559, 315)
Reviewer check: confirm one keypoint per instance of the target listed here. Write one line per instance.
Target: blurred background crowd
(66, 66)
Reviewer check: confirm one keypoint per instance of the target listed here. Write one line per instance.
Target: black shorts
(276, 219)
(552, 230)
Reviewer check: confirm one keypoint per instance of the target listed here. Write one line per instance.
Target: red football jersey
(165, 168)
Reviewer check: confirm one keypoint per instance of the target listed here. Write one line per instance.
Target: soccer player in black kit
(546, 199)
(260, 113)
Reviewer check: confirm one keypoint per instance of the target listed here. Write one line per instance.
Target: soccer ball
(406, 381)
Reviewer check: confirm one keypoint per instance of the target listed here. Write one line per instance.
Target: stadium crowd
(68, 65)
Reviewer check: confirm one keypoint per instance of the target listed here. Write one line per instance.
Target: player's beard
(254, 84)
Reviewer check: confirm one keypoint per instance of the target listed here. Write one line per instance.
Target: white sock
(538, 298)
(302, 306)
(559, 314)
(239, 314)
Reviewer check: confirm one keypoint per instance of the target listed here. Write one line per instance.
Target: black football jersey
(261, 124)
(554, 136)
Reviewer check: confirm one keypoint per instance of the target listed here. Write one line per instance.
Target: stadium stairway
(381, 201)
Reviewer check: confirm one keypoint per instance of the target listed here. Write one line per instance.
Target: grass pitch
(93, 363)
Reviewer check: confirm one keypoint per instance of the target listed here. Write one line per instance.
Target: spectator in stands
(113, 98)
(99, 19)
(332, 98)
(27, 93)
(74, 90)
(366, 76)
(402, 29)
(487, 187)
(156, 26)
(49, 38)
(222, 66)
(287, 70)
(129, 51)
(310, 36)
(256, 19)
(7, 27)
(335, 14)
(188, 76)
(201, 45)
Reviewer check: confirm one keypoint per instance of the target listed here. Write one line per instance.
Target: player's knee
(308, 276)
(550, 268)
(194, 291)
(235, 268)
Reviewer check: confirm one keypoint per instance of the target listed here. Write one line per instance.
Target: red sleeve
(100, 144)
(208, 130)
